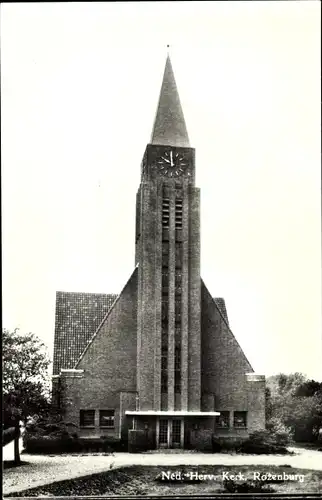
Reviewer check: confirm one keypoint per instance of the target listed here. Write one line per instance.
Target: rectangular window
(178, 254)
(177, 311)
(164, 362)
(107, 418)
(165, 282)
(177, 370)
(177, 335)
(177, 359)
(240, 419)
(178, 283)
(222, 420)
(165, 254)
(165, 234)
(164, 381)
(164, 312)
(87, 418)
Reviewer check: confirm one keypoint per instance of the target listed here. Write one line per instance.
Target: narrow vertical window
(165, 254)
(177, 369)
(178, 283)
(178, 255)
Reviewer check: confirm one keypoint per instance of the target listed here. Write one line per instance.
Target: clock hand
(171, 157)
(165, 159)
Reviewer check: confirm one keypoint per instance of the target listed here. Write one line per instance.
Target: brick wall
(108, 364)
(194, 306)
(256, 402)
(149, 298)
(225, 368)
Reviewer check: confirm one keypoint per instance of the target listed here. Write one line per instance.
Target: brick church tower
(157, 365)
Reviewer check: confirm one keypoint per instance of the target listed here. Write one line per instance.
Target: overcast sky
(79, 89)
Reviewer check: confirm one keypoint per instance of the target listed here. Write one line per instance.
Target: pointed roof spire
(169, 125)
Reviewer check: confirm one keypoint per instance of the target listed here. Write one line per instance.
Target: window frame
(164, 381)
(244, 415)
(82, 414)
(225, 415)
(111, 416)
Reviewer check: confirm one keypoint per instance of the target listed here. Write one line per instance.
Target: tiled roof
(220, 302)
(78, 316)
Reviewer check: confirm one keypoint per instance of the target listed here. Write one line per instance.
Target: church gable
(109, 360)
(78, 316)
(164, 348)
(223, 362)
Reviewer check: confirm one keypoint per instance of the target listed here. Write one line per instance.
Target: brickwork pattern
(109, 364)
(78, 315)
(225, 368)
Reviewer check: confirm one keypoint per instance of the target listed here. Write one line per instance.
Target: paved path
(45, 469)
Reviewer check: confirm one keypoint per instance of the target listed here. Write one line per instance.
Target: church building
(157, 365)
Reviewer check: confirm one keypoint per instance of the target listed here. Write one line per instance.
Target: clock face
(172, 163)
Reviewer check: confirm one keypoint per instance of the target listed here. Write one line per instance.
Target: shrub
(50, 437)
(55, 444)
(60, 437)
(138, 441)
(262, 442)
(279, 433)
(216, 445)
(101, 445)
(225, 444)
(51, 444)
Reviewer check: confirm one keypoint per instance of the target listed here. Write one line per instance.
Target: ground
(183, 479)
(39, 470)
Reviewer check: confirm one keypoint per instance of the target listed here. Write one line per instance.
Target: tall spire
(169, 125)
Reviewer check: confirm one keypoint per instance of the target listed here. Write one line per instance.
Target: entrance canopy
(173, 413)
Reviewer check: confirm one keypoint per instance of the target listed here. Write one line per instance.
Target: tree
(309, 388)
(295, 402)
(25, 380)
(282, 384)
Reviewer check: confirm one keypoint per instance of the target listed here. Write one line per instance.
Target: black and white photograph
(161, 249)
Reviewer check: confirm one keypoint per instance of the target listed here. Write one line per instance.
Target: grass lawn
(145, 480)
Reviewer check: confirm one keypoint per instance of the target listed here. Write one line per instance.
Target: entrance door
(163, 432)
(170, 433)
(176, 433)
